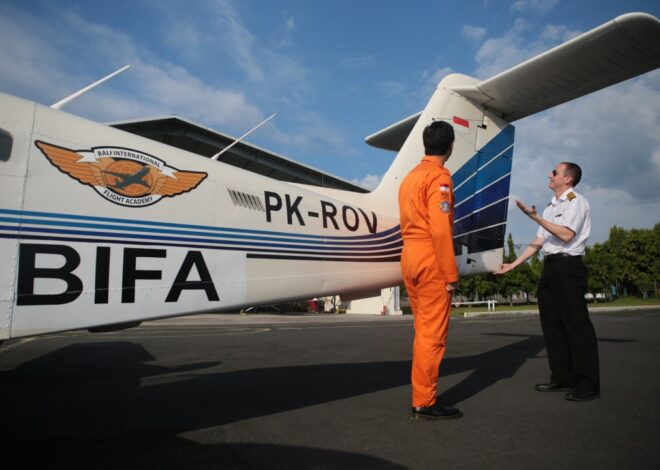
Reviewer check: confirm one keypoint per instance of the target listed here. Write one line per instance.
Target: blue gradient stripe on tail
(487, 196)
(488, 217)
(496, 155)
(481, 186)
(380, 246)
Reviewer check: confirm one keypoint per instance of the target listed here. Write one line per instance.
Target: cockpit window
(5, 145)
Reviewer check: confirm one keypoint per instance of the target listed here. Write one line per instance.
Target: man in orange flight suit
(426, 203)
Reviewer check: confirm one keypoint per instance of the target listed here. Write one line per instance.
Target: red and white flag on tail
(461, 125)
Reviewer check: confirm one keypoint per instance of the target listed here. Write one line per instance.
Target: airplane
(102, 229)
(128, 179)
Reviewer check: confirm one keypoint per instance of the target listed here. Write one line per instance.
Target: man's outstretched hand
(529, 211)
(505, 268)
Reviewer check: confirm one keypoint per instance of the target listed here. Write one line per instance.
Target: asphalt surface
(322, 392)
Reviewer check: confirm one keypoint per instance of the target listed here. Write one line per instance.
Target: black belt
(561, 255)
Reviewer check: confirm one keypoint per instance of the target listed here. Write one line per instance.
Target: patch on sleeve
(445, 207)
(570, 196)
(445, 192)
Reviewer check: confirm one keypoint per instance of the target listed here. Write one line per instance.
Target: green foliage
(639, 259)
(601, 269)
(628, 260)
(523, 279)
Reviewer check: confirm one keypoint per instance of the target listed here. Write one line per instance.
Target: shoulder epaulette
(570, 196)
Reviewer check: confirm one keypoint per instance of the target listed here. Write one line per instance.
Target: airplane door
(15, 132)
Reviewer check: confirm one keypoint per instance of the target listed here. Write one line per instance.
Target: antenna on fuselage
(79, 93)
(217, 155)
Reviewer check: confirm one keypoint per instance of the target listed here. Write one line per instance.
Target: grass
(503, 307)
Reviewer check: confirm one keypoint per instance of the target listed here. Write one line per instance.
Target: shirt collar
(563, 197)
(435, 161)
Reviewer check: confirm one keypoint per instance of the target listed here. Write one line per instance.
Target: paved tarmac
(322, 392)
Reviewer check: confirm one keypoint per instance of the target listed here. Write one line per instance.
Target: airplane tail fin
(481, 113)
(480, 165)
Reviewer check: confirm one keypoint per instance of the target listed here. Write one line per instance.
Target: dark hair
(574, 171)
(438, 137)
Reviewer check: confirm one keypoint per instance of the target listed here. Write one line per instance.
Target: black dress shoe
(578, 395)
(551, 387)
(435, 412)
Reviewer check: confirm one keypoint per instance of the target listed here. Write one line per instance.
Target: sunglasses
(554, 172)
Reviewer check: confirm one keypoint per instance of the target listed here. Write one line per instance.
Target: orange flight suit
(426, 203)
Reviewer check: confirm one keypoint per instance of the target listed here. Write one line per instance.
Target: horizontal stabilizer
(393, 137)
(623, 48)
(620, 49)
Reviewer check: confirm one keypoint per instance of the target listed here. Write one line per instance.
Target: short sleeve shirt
(569, 210)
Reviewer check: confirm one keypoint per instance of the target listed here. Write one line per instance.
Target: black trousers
(570, 338)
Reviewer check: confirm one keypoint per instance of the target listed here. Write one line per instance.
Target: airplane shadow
(112, 388)
(167, 451)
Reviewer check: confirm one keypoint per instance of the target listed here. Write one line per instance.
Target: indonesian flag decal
(461, 125)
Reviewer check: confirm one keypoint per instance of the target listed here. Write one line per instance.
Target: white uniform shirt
(571, 212)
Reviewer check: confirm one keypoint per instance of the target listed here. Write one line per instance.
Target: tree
(614, 245)
(517, 280)
(629, 259)
(601, 272)
(640, 253)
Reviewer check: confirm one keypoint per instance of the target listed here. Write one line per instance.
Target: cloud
(392, 88)
(501, 53)
(283, 36)
(430, 81)
(369, 182)
(473, 34)
(43, 60)
(612, 134)
(535, 6)
(184, 38)
(44, 63)
(316, 137)
(240, 39)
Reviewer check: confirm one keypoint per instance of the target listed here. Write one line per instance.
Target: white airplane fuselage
(98, 254)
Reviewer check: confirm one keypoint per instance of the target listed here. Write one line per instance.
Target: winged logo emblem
(123, 176)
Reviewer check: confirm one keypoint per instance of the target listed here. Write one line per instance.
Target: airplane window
(5, 145)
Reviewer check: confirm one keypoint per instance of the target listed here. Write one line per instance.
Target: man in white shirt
(569, 335)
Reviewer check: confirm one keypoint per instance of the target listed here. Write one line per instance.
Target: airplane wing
(618, 50)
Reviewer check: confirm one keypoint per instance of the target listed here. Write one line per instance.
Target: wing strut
(79, 93)
(217, 155)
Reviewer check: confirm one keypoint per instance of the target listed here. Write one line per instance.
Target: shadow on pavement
(154, 451)
(491, 366)
(488, 367)
(110, 388)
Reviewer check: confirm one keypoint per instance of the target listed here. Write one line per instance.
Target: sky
(336, 72)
